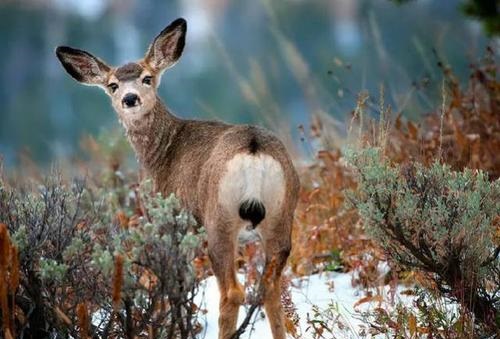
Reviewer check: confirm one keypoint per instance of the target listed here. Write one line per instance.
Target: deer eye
(147, 80)
(113, 87)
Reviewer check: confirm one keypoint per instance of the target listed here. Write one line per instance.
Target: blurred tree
(486, 11)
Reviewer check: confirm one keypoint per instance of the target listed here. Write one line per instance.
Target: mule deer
(229, 176)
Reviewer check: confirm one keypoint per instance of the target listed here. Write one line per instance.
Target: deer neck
(152, 137)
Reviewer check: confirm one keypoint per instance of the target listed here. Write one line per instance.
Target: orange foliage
(83, 320)
(117, 282)
(9, 280)
(4, 257)
(466, 135)
(323, 224)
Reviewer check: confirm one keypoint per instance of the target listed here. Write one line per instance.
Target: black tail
(253, 211)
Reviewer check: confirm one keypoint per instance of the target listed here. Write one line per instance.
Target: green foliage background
(272, 62)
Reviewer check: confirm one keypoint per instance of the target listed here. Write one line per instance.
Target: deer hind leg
(277, 245)
(222, 247)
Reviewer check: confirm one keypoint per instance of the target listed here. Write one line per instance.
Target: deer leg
(277, 247)
(222, 247)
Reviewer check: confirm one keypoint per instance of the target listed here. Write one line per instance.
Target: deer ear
(83, 66)
(167, 47)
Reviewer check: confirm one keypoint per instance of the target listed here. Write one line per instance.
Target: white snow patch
(319, 290)
(316, 290)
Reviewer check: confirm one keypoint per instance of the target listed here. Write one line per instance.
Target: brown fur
(189, 158)
(128, 71)
(184, 156)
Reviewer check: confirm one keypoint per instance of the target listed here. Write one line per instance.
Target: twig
(441, 125)
(245, 322)
(492, 258)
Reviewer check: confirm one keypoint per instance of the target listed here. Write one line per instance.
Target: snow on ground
(319, 290)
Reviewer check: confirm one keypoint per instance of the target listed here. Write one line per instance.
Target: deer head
(133, 86)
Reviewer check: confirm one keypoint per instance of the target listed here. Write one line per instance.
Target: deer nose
(130, 100)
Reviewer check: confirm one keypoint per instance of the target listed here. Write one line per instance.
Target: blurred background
(276, 63)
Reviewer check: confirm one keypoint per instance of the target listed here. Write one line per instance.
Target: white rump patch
(248, 177)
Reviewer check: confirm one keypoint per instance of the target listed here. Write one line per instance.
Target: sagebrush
(438, 221)
(87, 269)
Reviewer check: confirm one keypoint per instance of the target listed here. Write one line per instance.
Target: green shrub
(85, 272)
(437, 221)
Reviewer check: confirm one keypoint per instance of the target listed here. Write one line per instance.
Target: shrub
(327, 234)
(42, 224)
(328, 323)
(463, 131)
(430, 315)
(160, 279)
(323, 229)
(438, 221)
(87, 269)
